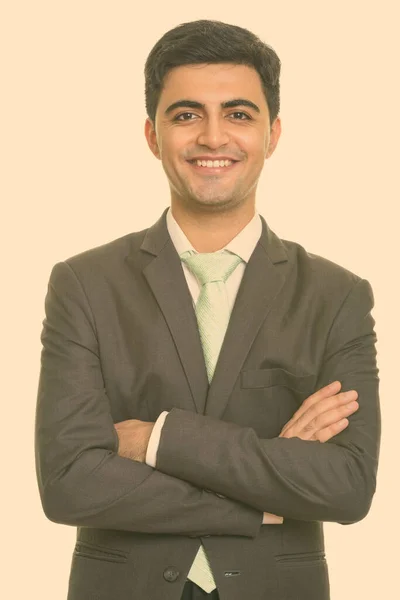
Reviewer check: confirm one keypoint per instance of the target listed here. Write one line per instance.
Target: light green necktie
(212, 312)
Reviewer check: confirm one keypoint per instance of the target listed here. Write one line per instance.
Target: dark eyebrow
(229, 104)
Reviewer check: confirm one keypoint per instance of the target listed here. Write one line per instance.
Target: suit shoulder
(107, 253)
(98, 264)
(320, 269)
(323, 281)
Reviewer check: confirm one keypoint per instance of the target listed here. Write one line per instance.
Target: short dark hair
(210, 42)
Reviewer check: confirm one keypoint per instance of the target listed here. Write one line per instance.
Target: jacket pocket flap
(100, 552)
(261, 378)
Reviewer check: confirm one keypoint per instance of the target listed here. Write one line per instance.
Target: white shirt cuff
(154, 441)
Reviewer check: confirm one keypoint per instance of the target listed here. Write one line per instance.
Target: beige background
(76, 173)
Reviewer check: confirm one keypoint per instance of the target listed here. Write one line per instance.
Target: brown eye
(247, 117)
(177, 118)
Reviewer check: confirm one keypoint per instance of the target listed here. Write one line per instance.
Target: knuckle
(310, 426)
(314, 411)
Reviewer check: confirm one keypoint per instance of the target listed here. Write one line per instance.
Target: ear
(275, 134)
(151, 137)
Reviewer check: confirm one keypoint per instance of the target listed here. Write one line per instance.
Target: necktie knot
(211, 266)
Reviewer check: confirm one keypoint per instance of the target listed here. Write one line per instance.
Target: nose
(213, 133)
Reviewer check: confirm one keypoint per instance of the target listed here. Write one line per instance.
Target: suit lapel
(167, 281)
(263, 279)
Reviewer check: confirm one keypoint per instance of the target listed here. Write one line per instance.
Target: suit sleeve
(82, 480)
(297, 479)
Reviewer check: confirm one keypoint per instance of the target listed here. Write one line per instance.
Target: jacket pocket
(303, 576)
(88, 550)
(300, 558)
(262, 378)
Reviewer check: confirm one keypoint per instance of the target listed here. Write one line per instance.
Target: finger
(328, 402)
(307, 428)
(328, 390)
(335, 415)
(329, 432)
(321, 394)
(311, 419)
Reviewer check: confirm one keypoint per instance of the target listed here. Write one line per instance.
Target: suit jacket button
(171, 574)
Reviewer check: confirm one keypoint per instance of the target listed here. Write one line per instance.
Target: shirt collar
(243, 244)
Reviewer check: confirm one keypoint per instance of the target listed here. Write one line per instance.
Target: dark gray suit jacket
(120, 341)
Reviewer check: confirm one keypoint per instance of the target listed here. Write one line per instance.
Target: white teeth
(213, 163)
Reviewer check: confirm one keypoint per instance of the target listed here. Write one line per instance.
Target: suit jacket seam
(86, 299)
(336, 317)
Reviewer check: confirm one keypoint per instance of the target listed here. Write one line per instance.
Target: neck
(210, 232)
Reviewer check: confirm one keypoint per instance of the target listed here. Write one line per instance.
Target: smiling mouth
(207, 167)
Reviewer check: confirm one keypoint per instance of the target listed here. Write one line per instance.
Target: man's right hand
(321, 416)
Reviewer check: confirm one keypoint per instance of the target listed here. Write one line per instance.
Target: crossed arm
(83, 481)
(81, 478)
(320, 417)
(289, 476)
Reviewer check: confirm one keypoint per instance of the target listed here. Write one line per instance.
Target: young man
(197, 415)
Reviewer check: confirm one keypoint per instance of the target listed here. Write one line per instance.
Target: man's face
(207, 125)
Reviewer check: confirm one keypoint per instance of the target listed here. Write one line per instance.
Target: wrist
(147, 436)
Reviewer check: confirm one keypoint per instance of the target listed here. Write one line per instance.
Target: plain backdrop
(76, 172)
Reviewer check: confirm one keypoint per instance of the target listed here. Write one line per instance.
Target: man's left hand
(133, 437)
